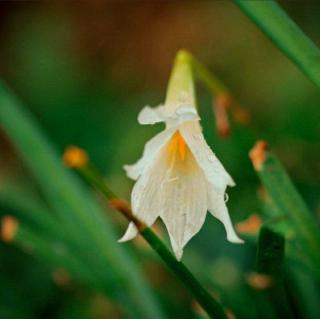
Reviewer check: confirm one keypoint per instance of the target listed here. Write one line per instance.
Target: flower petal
(151, 150)
(184, 113)
(184, 202)
(189, 112)
(130, 233)
(217, 207)
(151, 116)
(147, 196)
(211, 166)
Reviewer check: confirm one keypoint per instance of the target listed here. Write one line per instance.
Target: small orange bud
(197, 308)
(258, 154)
(250, 226)
(75, 157)
(263, 194)
(221, 103)
(61, 277)
(9, 228)
(241, 115)
(230, 314)
(259, 281)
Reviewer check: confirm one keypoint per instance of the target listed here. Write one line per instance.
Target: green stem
(91, 174)
(285, 34)
(209, 304)
(207, 77)
(189, 65)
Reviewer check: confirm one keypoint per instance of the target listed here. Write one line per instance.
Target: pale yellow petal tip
(178, 253)
(130, 233)
(231, 182)
(235, 240)
(75, 157)
(179, 256)
(131, 171)
(250, 226)
(183, 55)
(259, 281)
(9, 227)
(124, 239)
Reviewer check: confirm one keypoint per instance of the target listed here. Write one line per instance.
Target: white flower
(178, 178)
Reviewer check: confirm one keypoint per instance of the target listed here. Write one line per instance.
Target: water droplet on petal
(197, 136)
(211, 158)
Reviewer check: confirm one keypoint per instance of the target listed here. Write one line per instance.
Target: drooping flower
(178, 177)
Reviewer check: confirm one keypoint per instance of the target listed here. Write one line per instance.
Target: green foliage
(292, 206)
(285, 34)
(77, 216)
(87, 91)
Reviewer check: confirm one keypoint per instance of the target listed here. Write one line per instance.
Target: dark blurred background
(85, 69)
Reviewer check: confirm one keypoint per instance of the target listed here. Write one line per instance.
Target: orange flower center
(178, 146)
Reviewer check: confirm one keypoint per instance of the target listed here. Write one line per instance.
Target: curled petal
(187, 111)
(159, 114)
(130, 233)
(151, 150)
(211, 166)
(184, 113)
(217, 207)
(151, 116)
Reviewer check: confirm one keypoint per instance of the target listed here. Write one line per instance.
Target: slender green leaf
(285, 34)
(76, 208)
(270, 262)
(289, 202)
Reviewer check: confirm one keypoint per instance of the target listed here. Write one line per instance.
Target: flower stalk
(209, 304)
(223, 100)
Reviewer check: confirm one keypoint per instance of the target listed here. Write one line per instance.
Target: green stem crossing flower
(209, 304)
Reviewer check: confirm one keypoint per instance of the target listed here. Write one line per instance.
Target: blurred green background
(85, 69)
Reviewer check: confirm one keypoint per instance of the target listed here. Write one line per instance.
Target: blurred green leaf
(75, 207)
(285, 34)
(270, 263)
(288, 200)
